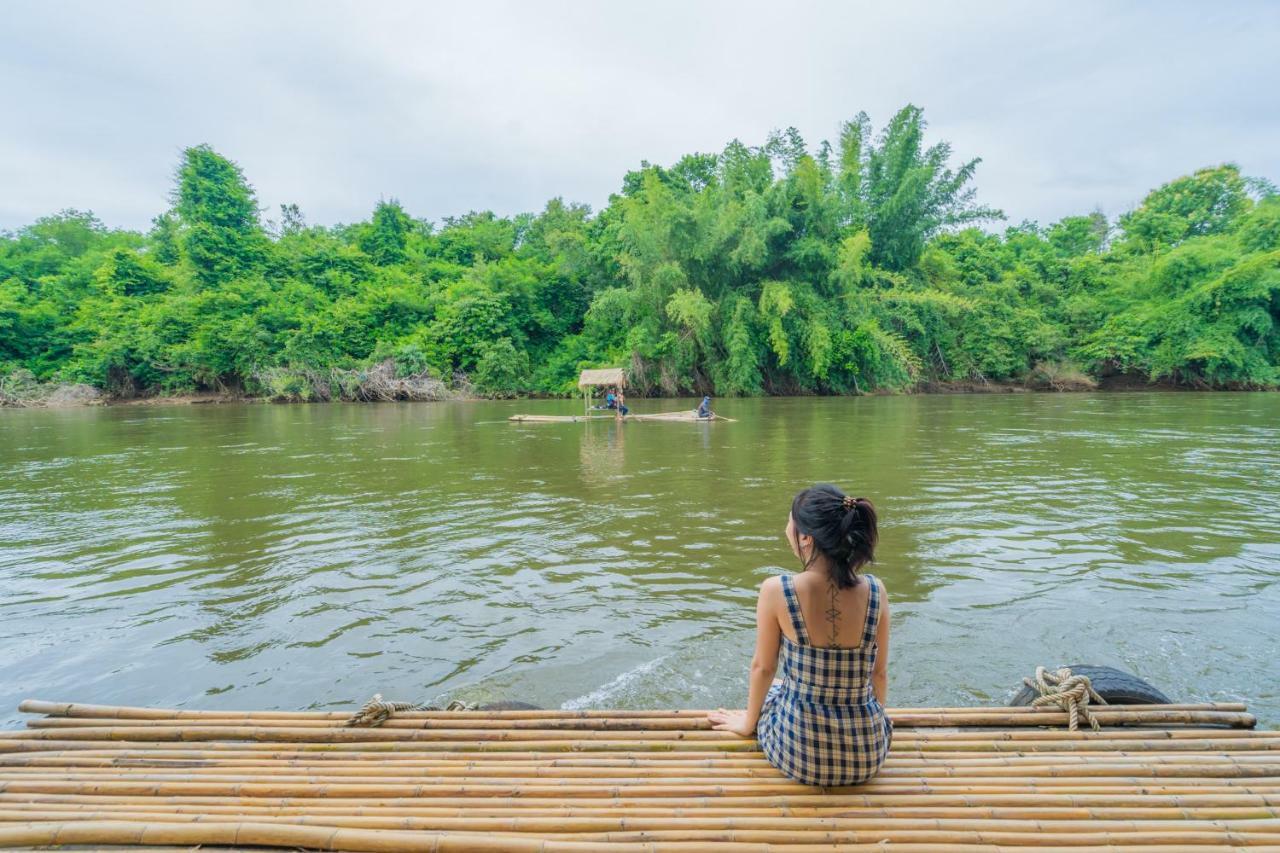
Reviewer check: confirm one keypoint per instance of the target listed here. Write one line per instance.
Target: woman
(823, 722)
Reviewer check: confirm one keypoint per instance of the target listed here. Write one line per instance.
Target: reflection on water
(308, 556)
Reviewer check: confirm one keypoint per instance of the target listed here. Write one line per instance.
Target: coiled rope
(1071, 693)
(375, 712)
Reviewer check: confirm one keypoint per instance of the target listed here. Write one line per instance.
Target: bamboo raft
(686, 416)
(1156, 778)
(555, 419)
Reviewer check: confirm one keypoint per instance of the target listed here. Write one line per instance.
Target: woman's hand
(732, 721)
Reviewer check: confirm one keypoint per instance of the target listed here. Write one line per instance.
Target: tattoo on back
(833, 612)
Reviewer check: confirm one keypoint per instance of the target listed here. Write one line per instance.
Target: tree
(1079, 235)
(902, 192)
(502, 370)
(385, 239)
(218, 210)
(771, 268)
(126, 273)
(291, 220)
(1210, 201)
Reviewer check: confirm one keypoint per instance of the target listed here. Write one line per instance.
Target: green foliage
(127, 273)
(1210, 201)
(502, 370)
(1079, 235)
(905, 193)
(218, 215)
(387, 236)
(769, 269)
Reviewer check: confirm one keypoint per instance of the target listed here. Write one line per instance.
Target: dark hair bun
(843, 528)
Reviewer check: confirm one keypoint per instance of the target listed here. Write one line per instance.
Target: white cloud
(504, 105)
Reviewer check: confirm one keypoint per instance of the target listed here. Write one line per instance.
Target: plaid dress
(822, 725)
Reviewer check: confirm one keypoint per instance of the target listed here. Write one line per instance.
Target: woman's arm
(764, 663)
(880, 675)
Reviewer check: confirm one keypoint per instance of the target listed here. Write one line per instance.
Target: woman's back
(821, 724)
(825, 632)
(833, 617)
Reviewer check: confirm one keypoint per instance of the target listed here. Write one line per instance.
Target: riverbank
(69, 396)
(385, 381)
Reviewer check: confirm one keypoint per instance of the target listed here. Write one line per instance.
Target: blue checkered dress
(821, 725)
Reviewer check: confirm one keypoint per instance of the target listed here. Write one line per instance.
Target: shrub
(502, 371)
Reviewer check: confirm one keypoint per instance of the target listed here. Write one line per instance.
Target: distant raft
(556, 419)
(689, 415)
(682, 415)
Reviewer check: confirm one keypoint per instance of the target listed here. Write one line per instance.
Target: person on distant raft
(610, 401)
(704, 408)
(823, 722)
(621, 404)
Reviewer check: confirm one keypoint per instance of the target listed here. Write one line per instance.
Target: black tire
(506, 705)
(1116, 686)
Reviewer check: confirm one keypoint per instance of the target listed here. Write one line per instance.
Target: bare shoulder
(770, 598)
(772, 586)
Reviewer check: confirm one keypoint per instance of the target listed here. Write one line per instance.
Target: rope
(1071, 693)
(375, 712)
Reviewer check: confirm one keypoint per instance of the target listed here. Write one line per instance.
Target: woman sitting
(823, 722)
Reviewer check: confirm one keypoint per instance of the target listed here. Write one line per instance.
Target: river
(262, 556)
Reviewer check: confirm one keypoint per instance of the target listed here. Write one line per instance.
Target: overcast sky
(473, 105)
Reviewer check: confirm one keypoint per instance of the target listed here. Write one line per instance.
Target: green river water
(260, 556)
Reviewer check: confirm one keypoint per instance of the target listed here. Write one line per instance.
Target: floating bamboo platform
(683, 415)
(1192, 777)
(687, 416)
(560, 419)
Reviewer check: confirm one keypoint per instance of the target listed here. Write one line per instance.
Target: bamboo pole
(74, 709)
(1106, 766)
(492, 752)
(560, 825)
(181, 743)
(404, 760)
(1155, 715)
(643, 724)
(41, 832)
(535, 717)
(1078, 814)
(366, 775)
(613, 790)
(1021, 801)
(909, 734)
(294, 734)
(402, 752)
(737, 841)
(616, 760)
(48, 741)
(361, 735)
(969, 767)
(1236, 768)
(1152, 796)
(654, 797)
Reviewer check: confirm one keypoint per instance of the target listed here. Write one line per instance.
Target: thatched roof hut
(612, 377)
